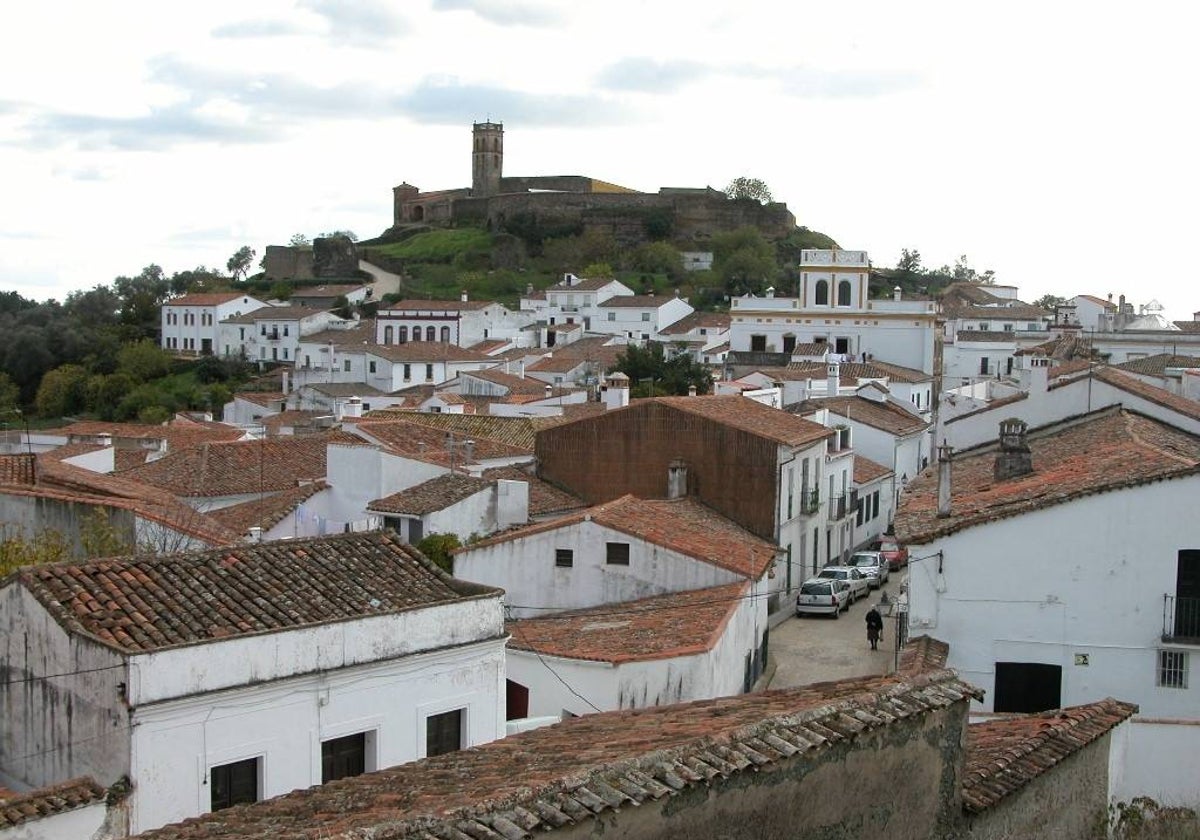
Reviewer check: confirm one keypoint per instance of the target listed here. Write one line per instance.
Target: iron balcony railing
(810, 501)
(838, 507)
(1181, 619)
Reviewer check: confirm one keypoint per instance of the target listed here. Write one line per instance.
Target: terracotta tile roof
(1192, 326)
(662, 627)
(67, 482)
(430, 496)
(412, 305)
(332, 290)
(994, 404)
(1003, 336)
(581, 284)
(489, 345)
(1007, 753)
(1108, 450)
(635, 301)
(922, 654)
(1157, 364)
(206, 299)
(16, 809)
(137, 604)
(18, 469)
(426, 442)
(567, 357)
(1135, 386)
(127, 459)
(744, 414)
(72, 450)
(971, 300)
(544, 498)
(286, 312)
(267, 399)
(268, 511)
(585, 768)
(292, 418)
(177, 436)
(1107, 304)
(758, 359)
(878, 415)
(866, 470)
(230, 469)
(718, 321)
(860, 370)
(570, 412)
(682, 525)
(345, 389)
(426, 351)
(362, 333)
(1069, 368)
(515, 384)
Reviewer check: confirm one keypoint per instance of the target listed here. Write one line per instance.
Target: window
(758, 343)
(371, 366)
(1008, 327)
(645, 316)
(443, 733)
(343, 757)
(984, 326)
(387, 335)
(416, 333)
(403, 332)
(346, 365)
(983, 366)
(1027, 687)
(407, 372)
(822, 293)
(233, 784)
(616, 554)
(612, 316)
(564, 558)
(285, 329)
(1172, 669)
(844, 293)
(428, 372)
(431, 333)
(445, 335)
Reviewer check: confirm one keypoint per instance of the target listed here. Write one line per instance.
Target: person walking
(874, 627)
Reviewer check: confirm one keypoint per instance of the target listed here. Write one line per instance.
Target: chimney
(287, 381)
(677, 479)
(521, 369)
(614, 393)
(1013, 460)
(256, 533)
(1039, 374)
(945, 454)
(353, 407)
(463, 296)
(529, 290)
(770, 291)
(833, 381)
(691, 390)
(896, 292)
(549, 391)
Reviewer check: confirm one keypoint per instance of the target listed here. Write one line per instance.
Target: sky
(1054, 143)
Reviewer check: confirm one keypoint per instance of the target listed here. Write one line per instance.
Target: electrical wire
(62, 674)
(569, 687)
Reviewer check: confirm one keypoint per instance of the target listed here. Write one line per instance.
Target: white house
(190, 323)
(462, 322)
(1094, 313)
(573, 300)
(639, 317)
(875, 507)
(833, 307)
(692, 645)
(453, 503)
(1062, 566)
(230, 676)
(273, 334)
(698, 334)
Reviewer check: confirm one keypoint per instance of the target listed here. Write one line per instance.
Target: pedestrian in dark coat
(874, 627)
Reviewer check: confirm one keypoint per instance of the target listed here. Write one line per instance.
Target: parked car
(893, 552)
(823, 596)
(871, 564)
(855, 579)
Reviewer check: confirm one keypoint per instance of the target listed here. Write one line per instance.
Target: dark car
(892, 551)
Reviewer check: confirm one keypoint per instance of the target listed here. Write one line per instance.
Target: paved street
(813, 649)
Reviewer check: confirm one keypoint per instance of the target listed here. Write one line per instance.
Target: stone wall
(1068, 803)
(287, 262)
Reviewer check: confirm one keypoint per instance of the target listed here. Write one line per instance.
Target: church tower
(487, 158)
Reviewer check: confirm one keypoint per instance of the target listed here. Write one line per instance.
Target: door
(1187, 594)
(1027, 687)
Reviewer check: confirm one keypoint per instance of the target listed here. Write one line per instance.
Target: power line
(62, 674)
(557, 675)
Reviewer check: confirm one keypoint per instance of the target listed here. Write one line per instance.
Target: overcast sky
(1053, 142)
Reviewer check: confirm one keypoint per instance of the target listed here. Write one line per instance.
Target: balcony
(810, 501)
(838, 507)
(1181, 620)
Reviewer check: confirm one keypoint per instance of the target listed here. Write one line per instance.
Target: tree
(143, 360)
(105, 392)
(10, 395)
(349, 234)
(651, 373)
(910, 261)
(658, 258)
(27, 357)
(141, 297)
(299, 240)
(744, 260)
(598, 270)
(240, 262)
(562, 254)
(754, 189)
(1049, 301)
(438, 548)
(63, 391)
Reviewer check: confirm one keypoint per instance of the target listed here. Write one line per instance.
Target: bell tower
(487, 158)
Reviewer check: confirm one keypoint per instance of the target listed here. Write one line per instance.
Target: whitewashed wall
(83, 823)
(1086, 576)
(283, 722)
(1161, 760)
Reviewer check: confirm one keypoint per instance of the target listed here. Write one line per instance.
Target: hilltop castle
(579, 203)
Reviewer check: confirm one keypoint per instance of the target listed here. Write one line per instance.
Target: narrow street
(815, 648)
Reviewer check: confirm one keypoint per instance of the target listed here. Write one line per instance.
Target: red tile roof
(177, 436)
(1135, 386)
(860, 370)
(424, 442)
(231, 469)
(18, 469)
(878, 415)
(747, 415)
(426, 351)
(1157, 364)
(581, 284)
(718, 321)
(866, 470)
(413, 305)
(1108, 450)
(206, 299)
(662, 627)
(264, 398)
(137, 604)
(266, 512)
(1107, 304)
(923, 654)
(433, 495)
(16, 809)
(515, 384)
(1000, 336)
(584, 768)
(513, 431)
(544, 498)
(1007, 753)
(682, 525)
(636, 301)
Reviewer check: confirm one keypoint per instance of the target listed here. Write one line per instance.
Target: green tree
(299, 240)
(439, 548)
(141, 297)
(63, 391)
(154, 415)
(10, 395)
(563, 254)
(1049, 301)
(240, 262)
(27, 357)
(754, 189)
(658, 258)
(105, 392)
(348, 234)
(652, 373)
(598, 247)
(598, 269)
(17, 551)
(143, 360)
(745, 260)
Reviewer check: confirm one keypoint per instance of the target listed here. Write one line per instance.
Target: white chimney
(614, 393)
(287, 381)
(691, 390)
(833, 378)
(945, 453)
(353, 407)
(1039, 374)
(896, 292)
(463, 297)
(521, 369)
(256, 533)
(677, 479)
(770, 291)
